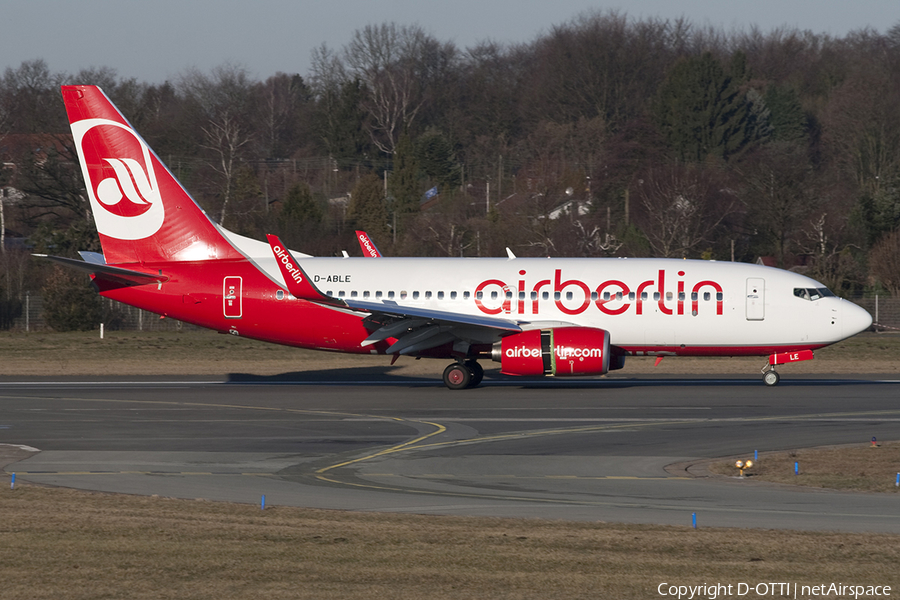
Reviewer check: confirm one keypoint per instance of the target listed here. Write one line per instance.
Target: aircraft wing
(117, 275)
(417, 329)
(414, 329)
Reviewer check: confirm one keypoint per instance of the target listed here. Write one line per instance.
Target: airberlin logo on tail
(127, 191)
(121, 183)
(367, 245)
(285, 260)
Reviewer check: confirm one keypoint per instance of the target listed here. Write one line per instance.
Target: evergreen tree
(70, 303)
(437, 159)
(701, 110)
(300, 217)
(367, 207)
(341, 123)
(404, 185)
(786, 116)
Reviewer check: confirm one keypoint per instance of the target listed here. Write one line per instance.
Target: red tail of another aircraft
(143, 215)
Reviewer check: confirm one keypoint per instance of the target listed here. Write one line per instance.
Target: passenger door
(756, 299)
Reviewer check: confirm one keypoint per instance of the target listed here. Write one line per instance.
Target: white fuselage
(651, 306)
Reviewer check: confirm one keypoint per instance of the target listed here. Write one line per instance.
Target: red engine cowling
(563, 351)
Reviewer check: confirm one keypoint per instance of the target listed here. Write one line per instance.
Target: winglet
(367, 245)
(298, 283)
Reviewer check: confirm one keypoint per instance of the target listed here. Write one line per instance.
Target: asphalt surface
(613, 449)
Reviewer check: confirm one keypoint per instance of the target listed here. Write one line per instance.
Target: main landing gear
(459, 375)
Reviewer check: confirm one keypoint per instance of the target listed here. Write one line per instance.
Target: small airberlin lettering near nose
(285, 259)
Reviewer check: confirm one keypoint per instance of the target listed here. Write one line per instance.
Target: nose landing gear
(771, 377)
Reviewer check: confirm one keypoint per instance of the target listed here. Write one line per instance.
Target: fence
(885, 311)
(122, 317)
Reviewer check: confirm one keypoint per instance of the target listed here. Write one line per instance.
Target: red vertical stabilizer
(143, 215)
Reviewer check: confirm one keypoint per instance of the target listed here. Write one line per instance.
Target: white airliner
(535, 316)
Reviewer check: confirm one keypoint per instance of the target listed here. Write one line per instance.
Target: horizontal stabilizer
(117, 275)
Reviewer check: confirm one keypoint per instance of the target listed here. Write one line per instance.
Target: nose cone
(854, 319)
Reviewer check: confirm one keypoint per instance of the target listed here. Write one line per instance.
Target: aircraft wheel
(771, 378)
(457, 376)
(477, 372)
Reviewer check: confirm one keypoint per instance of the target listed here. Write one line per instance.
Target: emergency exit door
(756, 299)
(232, 297)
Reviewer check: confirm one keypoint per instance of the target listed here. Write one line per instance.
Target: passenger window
(493, 295)
(656, 295)
(720, 296)
(593, 295)
(353, 294)
(606, 295)
(279, 294)
(415, 295)
(428, 295)
(478, 295)
(706, 296)
(341, 294)
(669, 295)
(329, 293)
(390, 295)
(644, 295)
(378, 294)
(618, 295)
(366, 294)
(466, 295)
(403, 294)
(557, 295)
(534, 295)
(508, 294)
(631, 296)
(440, 295)
(545, 295)
(453, 295)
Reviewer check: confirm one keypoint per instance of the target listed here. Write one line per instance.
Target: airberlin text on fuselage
(285, 259)
(617, 294)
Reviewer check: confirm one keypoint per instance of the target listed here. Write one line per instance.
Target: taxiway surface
(599, 449)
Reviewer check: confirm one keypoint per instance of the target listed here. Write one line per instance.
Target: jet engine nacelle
(563, 351)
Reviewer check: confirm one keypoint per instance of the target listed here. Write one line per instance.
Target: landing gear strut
(458, 376)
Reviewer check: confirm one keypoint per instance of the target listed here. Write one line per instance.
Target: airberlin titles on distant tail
(611, 297)
(367, 245)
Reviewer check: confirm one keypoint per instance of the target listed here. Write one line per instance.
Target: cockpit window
(813, 294)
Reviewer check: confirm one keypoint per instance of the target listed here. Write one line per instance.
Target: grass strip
(857, 468)
(59, 543)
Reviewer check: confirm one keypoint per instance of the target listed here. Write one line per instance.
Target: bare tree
(884, 262)
(396, 63)
(223, 100)
(682, 207)
(781, 192)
